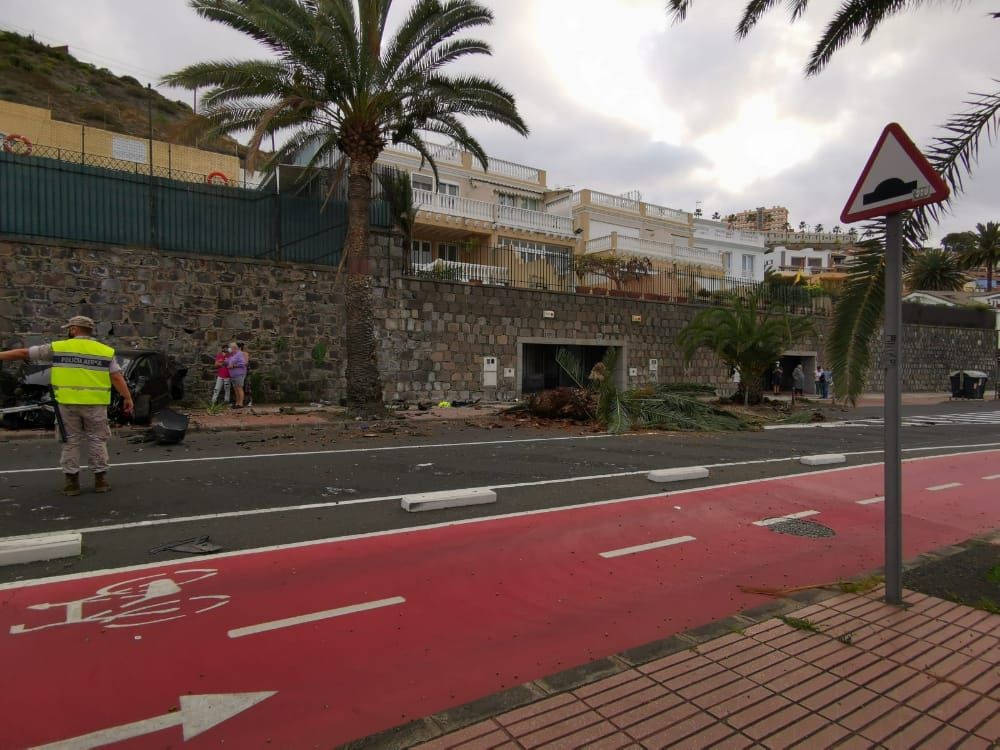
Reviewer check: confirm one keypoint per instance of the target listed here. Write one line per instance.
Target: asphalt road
(249, 490)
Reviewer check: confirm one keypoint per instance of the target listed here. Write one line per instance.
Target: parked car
(154, 379)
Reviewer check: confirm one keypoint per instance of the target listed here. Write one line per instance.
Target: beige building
(31, 130)
(774, 219)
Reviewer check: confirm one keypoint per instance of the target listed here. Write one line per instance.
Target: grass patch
(214, 409)
(799, 417)
(993, 575)
(987, 605)
(799, 624)
(861, 586)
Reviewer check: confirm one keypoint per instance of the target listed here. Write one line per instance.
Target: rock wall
(434, 335)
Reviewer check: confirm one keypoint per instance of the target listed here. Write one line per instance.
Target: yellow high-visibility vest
(81, 372)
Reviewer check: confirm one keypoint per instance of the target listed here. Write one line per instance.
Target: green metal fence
(43, 197)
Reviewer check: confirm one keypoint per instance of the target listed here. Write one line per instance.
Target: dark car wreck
(154, 379)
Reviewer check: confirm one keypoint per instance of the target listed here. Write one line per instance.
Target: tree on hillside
(934, 269)
(953, 154)
(977, 249)
(337, 84)
(748, 335)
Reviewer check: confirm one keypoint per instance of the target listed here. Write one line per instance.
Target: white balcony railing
(440, 152)
(452, 205)
(832, 238)
(733, 236)
(523, 218)
(662, 212)
(653, 249)
(456, 271)
(614, 201)
(507, 216)
(510, 169)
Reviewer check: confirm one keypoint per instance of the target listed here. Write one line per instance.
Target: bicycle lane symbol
(131, 603)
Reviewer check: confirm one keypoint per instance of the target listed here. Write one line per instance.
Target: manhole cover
(799, 527)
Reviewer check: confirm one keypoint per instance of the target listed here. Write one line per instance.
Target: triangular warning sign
(897, 177)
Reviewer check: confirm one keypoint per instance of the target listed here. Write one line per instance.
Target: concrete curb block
(823, 459)
(37, 548)
(677, 475)
(447, 499)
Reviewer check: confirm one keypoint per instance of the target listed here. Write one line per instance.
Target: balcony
(451, 154)
(450, 270)
(615, 242)
(731, 236)
(800, 238)
(502, 216)
(629, 206)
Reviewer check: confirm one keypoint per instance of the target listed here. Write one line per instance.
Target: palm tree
(934, 269)
(818, 229)
(979, 248)
(952, 154)
(716, 216)
(802, 226)
(747, 336)
(337, 84)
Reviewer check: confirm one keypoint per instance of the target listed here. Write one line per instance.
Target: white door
(420, 252)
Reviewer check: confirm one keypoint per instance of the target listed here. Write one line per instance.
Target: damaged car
(154, 379)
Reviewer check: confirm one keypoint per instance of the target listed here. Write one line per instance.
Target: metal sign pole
(893, 408)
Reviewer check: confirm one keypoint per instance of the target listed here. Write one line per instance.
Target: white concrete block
(34, 548)
(823, 458)
(677, 475)
(448, 499)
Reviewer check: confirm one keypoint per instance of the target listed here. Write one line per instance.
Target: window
(420, 252)
(448, 252)
(727, 262)
(421, 182)
(449, 194)
(748, 266)
(519, 201)
(815, 262)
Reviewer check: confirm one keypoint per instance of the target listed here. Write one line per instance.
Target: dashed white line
(647, 547)
(992, 476)
(871, 501)
(314, 616)
(789, 517)
(939, 487)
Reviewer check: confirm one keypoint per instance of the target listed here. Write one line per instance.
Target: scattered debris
(199, 545)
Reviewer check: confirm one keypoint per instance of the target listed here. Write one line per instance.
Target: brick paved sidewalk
(870, 675)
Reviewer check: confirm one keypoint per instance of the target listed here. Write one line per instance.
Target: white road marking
(992, 476)
(465, 521)
(926, 420)
(289, 622)
(939, 487)
(244, 457)
(871, 501)
(789, 517)
(647, 547)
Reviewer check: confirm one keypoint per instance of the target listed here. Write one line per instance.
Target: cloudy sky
(619, 98)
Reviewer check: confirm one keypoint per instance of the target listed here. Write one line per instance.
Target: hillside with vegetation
(41, 76)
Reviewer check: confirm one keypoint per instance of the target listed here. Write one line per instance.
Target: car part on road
(678, 474)
(198, 545)
(168, 427)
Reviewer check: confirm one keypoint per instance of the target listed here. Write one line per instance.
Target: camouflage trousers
(85, 424)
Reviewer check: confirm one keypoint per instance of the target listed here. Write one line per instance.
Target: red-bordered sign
(897, 177)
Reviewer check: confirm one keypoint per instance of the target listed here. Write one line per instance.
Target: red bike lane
(314, 645)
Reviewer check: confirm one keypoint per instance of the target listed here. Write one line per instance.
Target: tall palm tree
(979, 248)
(952, 154)
(749, 335)
(934, 269)
(337, 84)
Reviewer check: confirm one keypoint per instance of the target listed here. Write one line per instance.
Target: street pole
(893, 404)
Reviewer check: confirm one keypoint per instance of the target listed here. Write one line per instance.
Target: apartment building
(774, 219)
(741, 252)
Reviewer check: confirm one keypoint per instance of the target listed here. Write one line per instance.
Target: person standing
(237, 365)
(820, 378)
(777, 378)
(221, 375)
(798, 381)
(83, 372)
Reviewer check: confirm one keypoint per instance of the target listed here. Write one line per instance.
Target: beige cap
(80, 320)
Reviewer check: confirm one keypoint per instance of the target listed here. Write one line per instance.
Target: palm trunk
(364, 387)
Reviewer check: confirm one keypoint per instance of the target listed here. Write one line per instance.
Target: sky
(620, 98)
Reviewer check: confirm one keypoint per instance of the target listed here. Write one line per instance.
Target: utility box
(654, 365)
(489, 372)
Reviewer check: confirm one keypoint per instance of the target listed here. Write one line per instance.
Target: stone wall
(930, 353)
(186, 305)
(433, 335)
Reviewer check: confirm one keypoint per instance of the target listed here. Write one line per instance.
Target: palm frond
(572, 366)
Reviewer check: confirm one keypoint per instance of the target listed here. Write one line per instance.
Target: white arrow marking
(198, 714)
(314, 616)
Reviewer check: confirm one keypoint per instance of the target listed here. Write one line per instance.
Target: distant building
(774, 219)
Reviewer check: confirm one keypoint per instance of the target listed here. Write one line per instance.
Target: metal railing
(508, 216)
(562, 272)
(59, 199)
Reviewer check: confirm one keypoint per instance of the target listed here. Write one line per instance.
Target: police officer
(83, 372)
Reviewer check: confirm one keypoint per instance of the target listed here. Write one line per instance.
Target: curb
(453, 719)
